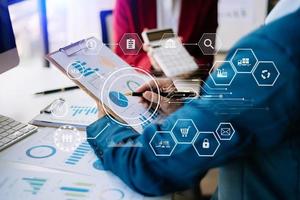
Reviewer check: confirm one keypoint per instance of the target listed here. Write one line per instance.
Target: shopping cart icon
(185, 131)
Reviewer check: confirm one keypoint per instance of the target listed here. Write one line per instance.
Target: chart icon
(112, 194)
(129, 109)
(41, 151)
(77, 155)
(118, 98)
(67, 138)
(78, 190)
(133, 85)
(35, 183)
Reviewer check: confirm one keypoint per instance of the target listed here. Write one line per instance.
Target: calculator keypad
(175, 61)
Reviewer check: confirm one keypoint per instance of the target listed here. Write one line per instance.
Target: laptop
(11, 131)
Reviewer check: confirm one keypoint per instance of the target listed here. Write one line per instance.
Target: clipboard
(70, 50)
(73, 113)
(80, 52)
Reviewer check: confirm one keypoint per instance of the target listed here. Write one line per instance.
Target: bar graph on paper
(78, 111)
(76, 190)
(81, 151)
(42, 185)
(35, 185)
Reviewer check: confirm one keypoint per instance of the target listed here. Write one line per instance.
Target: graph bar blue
(71, 163)
(78, 154)
(72, 189)
(75, 110)
(34, 179)
(35, 183)
(84, 146)
(80, 110)
(88, 110)
(94, 110)
(72, 160)
(75, 157)
(89, 73)
(83, 149)
(77, 151)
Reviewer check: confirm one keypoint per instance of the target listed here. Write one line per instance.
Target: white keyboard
(12, 131)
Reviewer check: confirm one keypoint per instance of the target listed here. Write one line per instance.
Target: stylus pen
(58, 90)
(175, 94)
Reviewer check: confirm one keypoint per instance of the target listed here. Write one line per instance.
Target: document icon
(225, 131)
(130, 43)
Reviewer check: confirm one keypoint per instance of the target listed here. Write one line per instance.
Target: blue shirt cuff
(105, 133)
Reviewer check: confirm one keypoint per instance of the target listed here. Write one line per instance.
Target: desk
(17, 99)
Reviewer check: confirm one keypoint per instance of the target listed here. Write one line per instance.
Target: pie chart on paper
(118, 98)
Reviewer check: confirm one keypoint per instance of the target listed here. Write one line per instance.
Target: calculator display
(157, 35)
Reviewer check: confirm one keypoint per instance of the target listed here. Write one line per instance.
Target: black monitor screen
(7, 39)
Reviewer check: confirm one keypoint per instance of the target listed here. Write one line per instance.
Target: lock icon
(205, 144)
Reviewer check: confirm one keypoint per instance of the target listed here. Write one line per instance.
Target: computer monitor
(9, 57)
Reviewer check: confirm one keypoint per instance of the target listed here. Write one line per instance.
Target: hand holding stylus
(150, 95)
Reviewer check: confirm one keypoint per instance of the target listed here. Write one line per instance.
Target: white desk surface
(17, 99)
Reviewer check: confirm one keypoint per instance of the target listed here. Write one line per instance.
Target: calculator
(168, 51)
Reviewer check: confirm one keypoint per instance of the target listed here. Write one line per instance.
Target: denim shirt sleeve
(255, 129)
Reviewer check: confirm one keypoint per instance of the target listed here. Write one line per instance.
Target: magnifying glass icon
(208, 43)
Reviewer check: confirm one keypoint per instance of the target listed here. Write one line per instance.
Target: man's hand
(166, 105)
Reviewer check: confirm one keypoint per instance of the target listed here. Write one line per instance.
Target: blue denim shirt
(262, 159)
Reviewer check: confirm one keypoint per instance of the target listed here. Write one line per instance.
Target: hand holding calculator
(169, 53)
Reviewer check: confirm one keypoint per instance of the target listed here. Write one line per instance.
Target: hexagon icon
(91, 46)
(184, 131)
(265, 73)
(162, 143)
(222, 73)
(131, 43)
(225, 131)
(207, 43)
(206, 144)
(170, 43)
(244, 60)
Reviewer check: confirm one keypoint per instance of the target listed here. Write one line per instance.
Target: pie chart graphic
(118, 98)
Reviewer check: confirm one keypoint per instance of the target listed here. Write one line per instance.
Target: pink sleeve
(123, 23)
